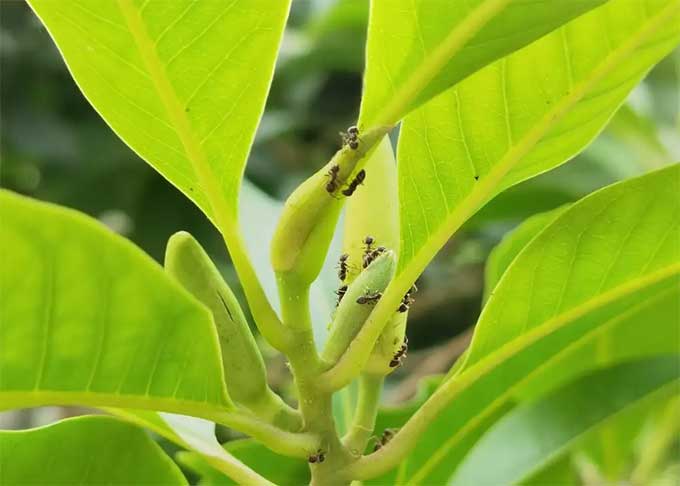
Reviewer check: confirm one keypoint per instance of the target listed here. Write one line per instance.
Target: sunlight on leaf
(88, 318)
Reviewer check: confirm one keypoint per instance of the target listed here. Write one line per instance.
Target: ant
(384, 439)
(356, 182)
(368, 241)
(351, 137)
(400, 354)
(407, 300)
(319, 457)
(343, 267)
(341, 293)
(332, 184)
(369, 298)
(370, 256)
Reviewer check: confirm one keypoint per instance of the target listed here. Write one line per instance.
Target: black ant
(343, 267)
(351, 137)
(369, 298)
(356, 182)
(370, 256)
(384, 439)
(319, 457)
(332, 184)
(340, 293)
(368, 241)
(400, 354)
(407, 300)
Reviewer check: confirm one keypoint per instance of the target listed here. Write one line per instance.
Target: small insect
(351, 137)
(369, 298)
(400, 354)
(319, 457)
(340, 293)
(356, 182)
(343, 267)
(384, 439)
(332, 183)
(407, 300)
(368, 242)
(369, 257)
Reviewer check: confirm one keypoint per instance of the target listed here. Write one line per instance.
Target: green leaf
(87, 318)
(280, 470)
(606, 264)
(541, 430)
(84, 451)
(521, 116)
(416, 50)
(183, 83)
(516, 118)
(506, 251)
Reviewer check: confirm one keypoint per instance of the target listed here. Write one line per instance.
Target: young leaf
(87, 318)
(522, 116)
(607, 261)
(85, 450)
(538, 431)
(416, 50)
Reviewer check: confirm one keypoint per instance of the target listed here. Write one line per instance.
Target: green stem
(363, 424)
(286, 443)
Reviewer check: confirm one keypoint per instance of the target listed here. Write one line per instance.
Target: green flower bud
(244, 369)
(357, 304)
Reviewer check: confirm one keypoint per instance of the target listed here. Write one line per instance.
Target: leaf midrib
(352, 359)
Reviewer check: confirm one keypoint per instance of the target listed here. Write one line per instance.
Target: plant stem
(363, 424)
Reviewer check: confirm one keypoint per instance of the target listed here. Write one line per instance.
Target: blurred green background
(55, 147)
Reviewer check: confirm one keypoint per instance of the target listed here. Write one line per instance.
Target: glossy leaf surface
(85, 451)
(87, 318)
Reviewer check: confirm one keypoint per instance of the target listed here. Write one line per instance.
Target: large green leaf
(183, 83)
(521, 116)
(85, 451)
(87, 318)
(608, 262)
(528, 438)
(417, 49)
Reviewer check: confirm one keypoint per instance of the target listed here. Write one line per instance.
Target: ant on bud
(332, 184)
(340, 293)
(384, 439)
(400, 354)
(369, 257)
(407, 300)
(343, 267)
(369, 298)
(356, 182)
(351, 137)
(319, 457)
